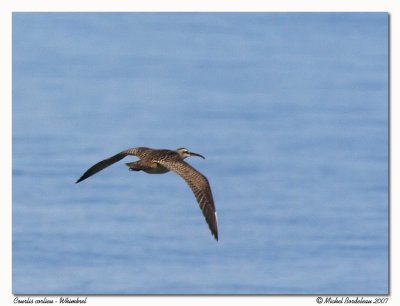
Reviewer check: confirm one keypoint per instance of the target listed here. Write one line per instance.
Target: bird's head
(183, 152)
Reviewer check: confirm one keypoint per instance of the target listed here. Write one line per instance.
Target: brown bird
(155, 161)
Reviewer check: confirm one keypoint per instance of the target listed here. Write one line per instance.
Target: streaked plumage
(155, 161)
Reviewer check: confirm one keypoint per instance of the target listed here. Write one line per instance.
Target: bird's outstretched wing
(200, 187)
(105, 163)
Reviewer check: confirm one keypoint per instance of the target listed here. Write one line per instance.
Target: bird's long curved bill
(196, 154)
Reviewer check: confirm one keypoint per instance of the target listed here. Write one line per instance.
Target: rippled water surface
(290, 111)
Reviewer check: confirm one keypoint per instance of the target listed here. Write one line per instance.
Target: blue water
(290, 111)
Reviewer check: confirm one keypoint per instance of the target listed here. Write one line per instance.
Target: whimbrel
(155, 161)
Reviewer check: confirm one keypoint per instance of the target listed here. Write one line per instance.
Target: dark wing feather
(200, 187)
(105, 163)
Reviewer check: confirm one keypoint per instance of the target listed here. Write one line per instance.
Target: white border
(9, 6)
(204, 5)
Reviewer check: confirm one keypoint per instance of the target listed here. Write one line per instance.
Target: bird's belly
(158, 169)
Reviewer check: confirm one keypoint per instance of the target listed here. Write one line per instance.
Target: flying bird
(161, 161)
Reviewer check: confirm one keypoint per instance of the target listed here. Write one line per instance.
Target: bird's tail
(134, 166)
